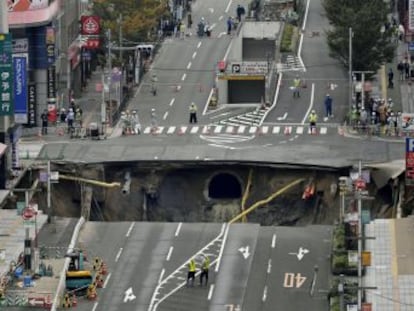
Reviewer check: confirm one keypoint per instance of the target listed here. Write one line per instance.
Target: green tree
(372, 44)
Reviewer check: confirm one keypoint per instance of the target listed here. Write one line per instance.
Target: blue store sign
(20, 89)
(6, 74)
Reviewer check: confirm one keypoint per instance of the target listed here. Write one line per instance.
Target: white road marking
(172, 101)
(221, 34)
(221, 146)
(228, 6)
(221, 17)
(241, 129)
(211, 10)
(222, 247)
(283, 118)
(165, 115)
(161, 275)
(129, 295)
(169, 253)
(194, 55)
(183, 77)
(177, 231)
(198, 45)
(130, 229)
(210, 292)
(208, 101)
(95, 305)
(274, 237)
(194, 130)
(189, 65)
(276, 130)
(269, 266)
(310, 104)
(220, 115)
(264, 293)
(106, 281)
(227, 51)
(299, 130)
(171, 130)
(119, 254)
(213, 26)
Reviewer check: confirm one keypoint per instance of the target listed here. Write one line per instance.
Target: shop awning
(381, 173)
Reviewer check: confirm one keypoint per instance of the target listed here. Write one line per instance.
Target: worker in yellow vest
(296, 86)
(193, 113)
(313, 118)
(205, 266)
(191, 272)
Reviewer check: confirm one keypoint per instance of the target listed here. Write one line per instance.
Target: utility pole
(120, 38)
(341, 291)
(109, 77)
(363, 73)
(350, 68)
(359, 240)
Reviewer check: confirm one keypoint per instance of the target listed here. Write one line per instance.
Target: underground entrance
(224, 186)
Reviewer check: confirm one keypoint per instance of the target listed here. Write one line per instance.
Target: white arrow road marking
(129, 295)
(283, 118)
(301, 253)
(36, 301)
(245, 251)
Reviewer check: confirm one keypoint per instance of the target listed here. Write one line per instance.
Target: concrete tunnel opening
(224, 186)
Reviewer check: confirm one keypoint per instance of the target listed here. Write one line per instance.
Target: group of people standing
(192, 270)
(71, 117)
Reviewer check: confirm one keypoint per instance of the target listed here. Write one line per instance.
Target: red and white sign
(92, 44)
(90, 25)
(360, 184)
(28, 213)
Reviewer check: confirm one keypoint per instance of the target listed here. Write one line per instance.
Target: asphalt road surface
(258, 267)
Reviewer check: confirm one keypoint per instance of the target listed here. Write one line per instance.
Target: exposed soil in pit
(195, 193)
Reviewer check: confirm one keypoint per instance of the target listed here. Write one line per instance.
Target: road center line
(222, 247)
(228, 6)
(189, 65)
(119, 254)
(106, 281)
(130, 229)
(165, 115)
(161, 275)
(177, 232)
(95, 305)
(210, 292)
(221, 17)
(198, 45)
(172, 101)
(310, 104)
(194, 55)
(183, 77)
(264, 293)
(274, 240)
(169, 253)
(269, 266)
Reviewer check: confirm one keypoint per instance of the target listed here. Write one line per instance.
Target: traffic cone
(98, 280)
(180, 131)
(104, 268)
(74, 300)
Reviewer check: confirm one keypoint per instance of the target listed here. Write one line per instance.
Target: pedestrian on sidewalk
(70, 118)
(191, 272)
(45, 119)
(240, 11)
(62, 115)
(229, 25)
(407, 70)
(328, 107)
(182, 30)
(390, 78)
(193, 113)
(205, 266)
(401, 70)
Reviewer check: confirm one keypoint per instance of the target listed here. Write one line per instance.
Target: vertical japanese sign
(6, 77)
(51, 84)
(20, 89)
(411, 15)
(32, 104)
(409, 161)
(50, 45)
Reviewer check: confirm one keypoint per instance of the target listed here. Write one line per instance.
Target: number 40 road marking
(293, 280)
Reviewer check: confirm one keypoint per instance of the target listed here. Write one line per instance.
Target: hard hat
(70, 109)
(327, 95)
(123, 113)
(362, 108)
(390, 99)
(63, 109)
(134, 111)
(313, 111)
(373, 113)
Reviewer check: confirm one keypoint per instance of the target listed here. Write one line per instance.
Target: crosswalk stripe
(218, 129)
(147, 130)
(230, 129)
(299, 130)
(159, 130)
(265, 129)
(252, 129)
(241, 129)
(324, 130)
(183, 129)
(194, 130)
(171, 130)
(206, 129)
(276, 130)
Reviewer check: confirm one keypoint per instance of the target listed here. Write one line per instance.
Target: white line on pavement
(165, 115)
(264, 293)
(228, 6)
(274, 240)
(183, 77)
(130, 229)
(210, 292)
(310, 104)
(198, 45)
(189, 65)
(169, 253)
(222, 247)
(221, 17)
(194, 55)
(95, 305)
(161, 275)
(269, 266)
(119, 254)
(177, 231)
(208, 101)
(106, 281)
(172, 101)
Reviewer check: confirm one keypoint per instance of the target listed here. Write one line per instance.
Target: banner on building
(32, 104)
(50, 45)
(51, 84)
(90, 25)
(411, 15)
(6, 76)
(20, 89)
(20, 46)
(407, 122)
(26, 5)
(409, 161)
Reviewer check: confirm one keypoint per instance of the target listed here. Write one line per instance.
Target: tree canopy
(372, 43)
